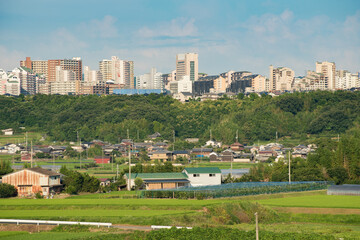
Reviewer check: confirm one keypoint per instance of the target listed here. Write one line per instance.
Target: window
(196, 175)
(212, 175)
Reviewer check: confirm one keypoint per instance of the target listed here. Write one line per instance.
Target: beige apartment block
(187, 64)
(281, 78)
(117, 70)
(260, 83)
(328, 70)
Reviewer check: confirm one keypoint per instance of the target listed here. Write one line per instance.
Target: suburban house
(181, 153)
(203, 176)
(154, 136)
(160, 180)
(213, 143)
(30, 181)
(236, 147)
(100, 160)
(160, 155)
(202, 152)
(214, 157)
(8, 132)
(104, 182)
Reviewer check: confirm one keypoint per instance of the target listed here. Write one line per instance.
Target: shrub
(7, 190)
(38, 195)
(71, 189)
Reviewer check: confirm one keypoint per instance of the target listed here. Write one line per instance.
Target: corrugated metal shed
(346, 189)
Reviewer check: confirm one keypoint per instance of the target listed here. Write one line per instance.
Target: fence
(234, 189)
(44, 222)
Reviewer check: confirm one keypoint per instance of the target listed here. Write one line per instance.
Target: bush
(7, 190)
(38, 195)
(71, 190)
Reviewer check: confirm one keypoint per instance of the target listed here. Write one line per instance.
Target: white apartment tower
(328, 70)
(187, 65)
(152, 80)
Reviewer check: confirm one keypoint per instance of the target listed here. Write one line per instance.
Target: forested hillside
(108, 117)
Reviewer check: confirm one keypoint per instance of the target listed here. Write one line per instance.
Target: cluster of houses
(213, 150)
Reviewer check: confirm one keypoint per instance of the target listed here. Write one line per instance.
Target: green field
(111, 207)
(20, 138)
(316, 201)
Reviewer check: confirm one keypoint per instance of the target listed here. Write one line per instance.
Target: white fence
(44, 222)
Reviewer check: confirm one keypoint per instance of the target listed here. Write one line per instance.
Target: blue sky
(228, 35)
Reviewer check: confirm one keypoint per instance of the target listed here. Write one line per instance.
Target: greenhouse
(346, 189)
(235, 189)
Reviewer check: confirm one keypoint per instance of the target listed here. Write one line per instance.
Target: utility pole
(289, 169)
(26, 141)
(31, 155)
(276, 136)
(80, 152)
(257, 226)
(174, 140)
(138, 135)
(129, 185)
(231, 161)
(210, 135)
(127, 130)
(117, 171)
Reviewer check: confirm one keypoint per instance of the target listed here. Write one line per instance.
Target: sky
(228, 35)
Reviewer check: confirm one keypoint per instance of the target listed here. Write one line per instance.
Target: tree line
(109, 118)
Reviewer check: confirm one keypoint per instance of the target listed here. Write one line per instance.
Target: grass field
(110, 207)
(20, 138)
(316, 201)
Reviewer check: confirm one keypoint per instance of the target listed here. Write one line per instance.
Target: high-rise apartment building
(39, 67)
(28, 84)
(281, 78)
(120, 71)
(187, 65)
(65, 82)
(328, 70)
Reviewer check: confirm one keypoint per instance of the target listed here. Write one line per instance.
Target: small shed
(346, 189)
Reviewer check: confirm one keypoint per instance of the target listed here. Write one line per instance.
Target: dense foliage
(109, 117)
(5, 167)
(79, 182)
(7, 190)
(337, 161)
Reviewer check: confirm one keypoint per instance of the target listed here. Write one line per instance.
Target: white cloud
(9, 59)
(104, 28)
(64, 39)
(179, 27)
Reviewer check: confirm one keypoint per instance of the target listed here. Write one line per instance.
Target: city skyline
(232, 35)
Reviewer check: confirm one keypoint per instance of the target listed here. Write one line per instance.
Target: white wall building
(203, 176)
(152, 80)
(185, 85)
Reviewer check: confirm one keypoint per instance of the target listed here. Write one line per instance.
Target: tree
(138, 183)
(7, 190)
(5, 167)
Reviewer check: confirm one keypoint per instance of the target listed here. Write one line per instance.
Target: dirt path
(333, 211)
